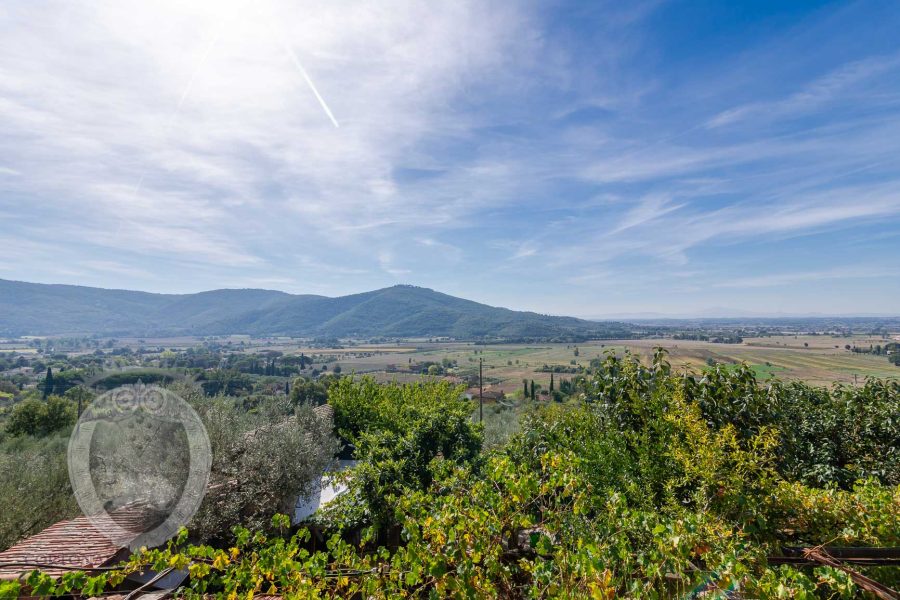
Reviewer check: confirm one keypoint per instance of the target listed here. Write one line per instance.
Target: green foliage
(48, 382)
(34, 486)
(27, 417)
(262, 462)
(36, 417)
(868, 514)
(656, 485)
(502, 421)
(62, 381)
(132, 377)
(826, 436)
(80, 396)
(840, 435)
(821, 582)
(230, 382)
(308, 391)
(8, 388)
(402, 434)
(10, 590)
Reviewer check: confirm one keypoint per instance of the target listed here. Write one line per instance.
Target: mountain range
(398, 311)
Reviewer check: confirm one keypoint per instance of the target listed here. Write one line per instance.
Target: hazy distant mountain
(399, 311)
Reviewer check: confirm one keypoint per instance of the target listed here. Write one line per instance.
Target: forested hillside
(399, 311)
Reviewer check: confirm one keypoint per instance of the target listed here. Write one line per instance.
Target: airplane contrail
(312, 86)
(190, 83)
(199, 65)
(186, 92)
(294, 59)
(174, 114)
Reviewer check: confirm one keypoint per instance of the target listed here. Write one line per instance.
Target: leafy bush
(826, 436)
(308, 391)
(262, 463)
(37, 417)
(34, 486)
(656, 485)
(401, 434)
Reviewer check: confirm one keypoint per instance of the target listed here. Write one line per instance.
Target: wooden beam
(882, 591)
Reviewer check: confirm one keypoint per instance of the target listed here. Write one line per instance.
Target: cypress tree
(525, 385)
(551, 382)
(532, 389)
(48, 383)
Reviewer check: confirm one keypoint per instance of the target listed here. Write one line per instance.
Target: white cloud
(388, 264)
(524, 250)
(183, 140)
(647, 209)
(790, 279)
(190, 123)
(669, 235)
(833, 86)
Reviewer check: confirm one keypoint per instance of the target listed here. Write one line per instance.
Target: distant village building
(488, 394)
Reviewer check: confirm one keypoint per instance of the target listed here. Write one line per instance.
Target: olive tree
(262, 462)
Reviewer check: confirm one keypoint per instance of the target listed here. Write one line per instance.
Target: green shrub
(401, 433)
(656, 485)
(34, 486)
(37, 417)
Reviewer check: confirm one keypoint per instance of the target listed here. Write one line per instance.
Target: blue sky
(595, 159)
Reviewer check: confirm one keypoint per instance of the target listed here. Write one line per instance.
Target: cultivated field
(815, 359)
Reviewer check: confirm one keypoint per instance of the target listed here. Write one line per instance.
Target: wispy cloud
(186, 145)
(647, 209)
(831, 87)
(241, 119)
(524, 250)
(789, 279)
(388, 265)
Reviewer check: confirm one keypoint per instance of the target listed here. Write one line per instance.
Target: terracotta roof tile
(76, 542)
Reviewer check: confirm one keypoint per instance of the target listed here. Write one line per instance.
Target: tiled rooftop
(75, 543)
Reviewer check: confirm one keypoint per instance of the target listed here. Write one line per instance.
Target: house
(329, 486)
(488, 394)
(325, 491)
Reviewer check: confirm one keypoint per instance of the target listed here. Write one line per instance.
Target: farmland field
(818, 359)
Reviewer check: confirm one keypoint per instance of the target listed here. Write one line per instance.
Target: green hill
(399, 311)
